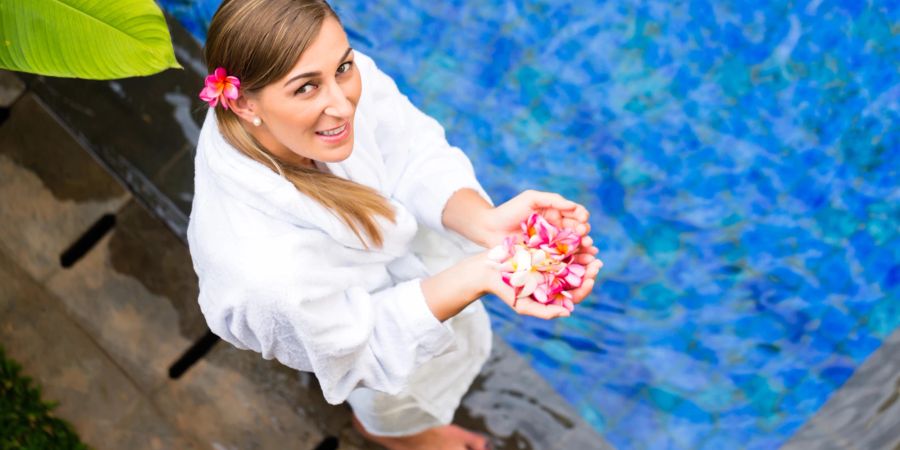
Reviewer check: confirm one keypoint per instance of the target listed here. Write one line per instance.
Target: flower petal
(234, 81)
(523, 260)
(531, 283)
(537, 257)
(577, 269)
(540, 294)
(517, 279)
(230, 91)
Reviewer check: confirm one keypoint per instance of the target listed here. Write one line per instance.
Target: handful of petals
(539, 262)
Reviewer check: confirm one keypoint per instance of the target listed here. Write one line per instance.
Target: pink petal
(220, 74)
(234, 81)
(574, 281)
(230, 91)
(577, 269)
(555, 288)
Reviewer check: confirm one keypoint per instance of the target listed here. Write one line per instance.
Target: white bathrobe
(281, 275)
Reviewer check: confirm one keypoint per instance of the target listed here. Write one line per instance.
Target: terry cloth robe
(281, 275)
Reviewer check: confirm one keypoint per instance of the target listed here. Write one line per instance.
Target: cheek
(291, 124)
(354, 90)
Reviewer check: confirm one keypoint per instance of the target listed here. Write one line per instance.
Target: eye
(306, 88)
(345, 67)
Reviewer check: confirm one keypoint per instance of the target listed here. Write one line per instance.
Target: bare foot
(447, 437)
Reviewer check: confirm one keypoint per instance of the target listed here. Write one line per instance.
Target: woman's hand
(497, 223)
(526, 305)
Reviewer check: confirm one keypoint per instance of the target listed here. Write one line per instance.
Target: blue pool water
(740, 161)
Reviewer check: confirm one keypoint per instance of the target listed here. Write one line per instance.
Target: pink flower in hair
(219, 86)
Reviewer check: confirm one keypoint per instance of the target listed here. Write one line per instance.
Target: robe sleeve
(424, 169)
(312, 318)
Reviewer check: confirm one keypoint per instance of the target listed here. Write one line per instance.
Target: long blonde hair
(259, 41)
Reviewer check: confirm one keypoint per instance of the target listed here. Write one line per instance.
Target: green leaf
(96, 39)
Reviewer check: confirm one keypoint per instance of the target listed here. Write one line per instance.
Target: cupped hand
(506, 219)
(527, 306)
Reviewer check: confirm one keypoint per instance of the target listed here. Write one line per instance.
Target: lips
(333, 131)
(335, 135)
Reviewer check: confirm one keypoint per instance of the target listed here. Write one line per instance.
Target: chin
(338, 154)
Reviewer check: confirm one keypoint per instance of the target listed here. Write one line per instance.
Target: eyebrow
(317, 73)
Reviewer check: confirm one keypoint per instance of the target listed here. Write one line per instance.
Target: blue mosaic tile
(740, 161)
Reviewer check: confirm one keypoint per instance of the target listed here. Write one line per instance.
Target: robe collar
(254, 184)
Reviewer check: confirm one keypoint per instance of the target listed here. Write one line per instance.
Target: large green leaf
(96, 39)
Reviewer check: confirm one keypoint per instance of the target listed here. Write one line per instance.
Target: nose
(339, 105)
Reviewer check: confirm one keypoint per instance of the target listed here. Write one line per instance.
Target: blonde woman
(335, 229)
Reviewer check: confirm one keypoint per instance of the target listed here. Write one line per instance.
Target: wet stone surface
(520, 409)
(864, 413)
(142, 248)
(100, 401)
(135, 293)
(156, 122)
(51, 190)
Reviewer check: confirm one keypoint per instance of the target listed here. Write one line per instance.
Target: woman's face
(308, 114)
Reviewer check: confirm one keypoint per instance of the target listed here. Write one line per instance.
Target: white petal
(518, 278)
(523, 260)
(531, 282)
(538, 257)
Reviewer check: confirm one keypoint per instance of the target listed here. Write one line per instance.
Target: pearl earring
(257, 121)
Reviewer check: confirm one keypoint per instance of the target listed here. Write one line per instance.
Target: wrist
(468, 214)
(480, 271)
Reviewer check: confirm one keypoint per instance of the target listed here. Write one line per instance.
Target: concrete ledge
(864, 413)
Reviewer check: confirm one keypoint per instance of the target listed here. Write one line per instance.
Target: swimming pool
(740, 162)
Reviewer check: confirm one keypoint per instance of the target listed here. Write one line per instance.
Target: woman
(334, 228)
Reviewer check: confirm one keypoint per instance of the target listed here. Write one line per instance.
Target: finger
(505, 292)
(553, 216)
(530, 307)
(587, 241)
(579, 213)
(580, 228)
(542, 200)
(570, 223)
(581, 292)
(593, 268)
(584, 259)
(588, 250)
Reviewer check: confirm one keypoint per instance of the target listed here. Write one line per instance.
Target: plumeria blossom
(539, 262)
(220, 85)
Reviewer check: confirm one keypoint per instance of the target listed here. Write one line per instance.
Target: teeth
(334, 131)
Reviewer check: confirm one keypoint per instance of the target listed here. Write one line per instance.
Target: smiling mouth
(333, 131)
